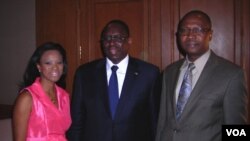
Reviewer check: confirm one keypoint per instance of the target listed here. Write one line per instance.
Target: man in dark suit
(134, 116)
(213, 92)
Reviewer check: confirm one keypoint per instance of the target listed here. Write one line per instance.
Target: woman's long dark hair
(31, 72)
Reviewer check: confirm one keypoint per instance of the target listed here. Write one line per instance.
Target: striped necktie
(185, 90)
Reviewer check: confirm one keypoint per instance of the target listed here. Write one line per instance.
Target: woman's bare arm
(21, 115)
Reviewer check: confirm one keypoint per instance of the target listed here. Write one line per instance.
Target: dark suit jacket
(91, 117)
(218, 98)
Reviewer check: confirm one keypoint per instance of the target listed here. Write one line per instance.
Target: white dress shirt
(121, 72)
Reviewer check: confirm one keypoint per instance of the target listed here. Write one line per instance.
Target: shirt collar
(122, 65)
(199, 62)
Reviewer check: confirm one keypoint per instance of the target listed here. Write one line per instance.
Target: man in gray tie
(196, 103)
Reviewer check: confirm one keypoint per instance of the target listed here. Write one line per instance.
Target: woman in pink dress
(42, 109)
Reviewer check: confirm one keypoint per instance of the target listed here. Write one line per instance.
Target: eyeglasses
(115, 38)
(195, 31)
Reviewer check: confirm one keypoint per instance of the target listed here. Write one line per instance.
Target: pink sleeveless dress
(48, 122)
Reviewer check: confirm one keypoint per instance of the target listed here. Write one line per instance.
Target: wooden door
(96, 13)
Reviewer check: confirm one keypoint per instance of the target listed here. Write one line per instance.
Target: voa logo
(236, 132)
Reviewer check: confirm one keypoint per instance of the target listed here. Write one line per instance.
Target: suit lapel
(128, 84)
(173, 84)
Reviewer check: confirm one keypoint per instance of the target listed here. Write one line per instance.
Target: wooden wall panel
(222, 16)
(57, 21)
(170, 18)
(244, 42)
(132, 13)
(155, 33)
(225, 37)
(101, 12)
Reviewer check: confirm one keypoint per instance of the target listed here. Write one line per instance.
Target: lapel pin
(136, 73)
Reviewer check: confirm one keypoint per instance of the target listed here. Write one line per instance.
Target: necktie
(113, 91)
(185, 90)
